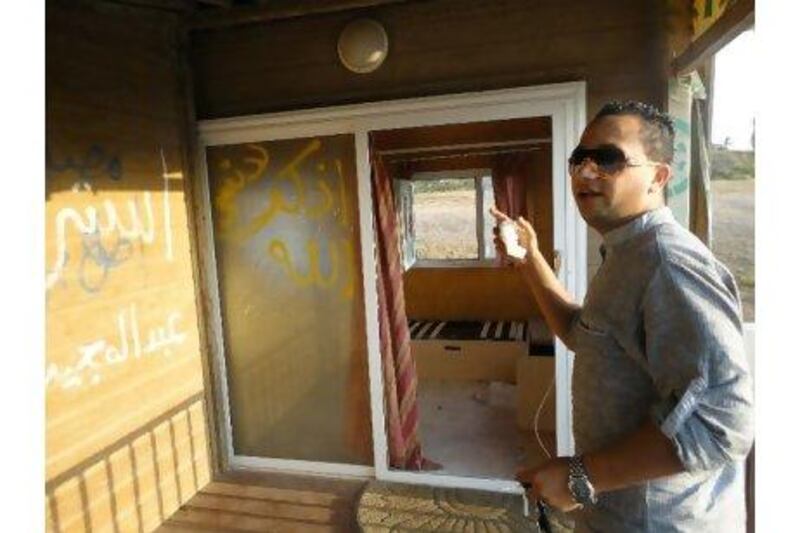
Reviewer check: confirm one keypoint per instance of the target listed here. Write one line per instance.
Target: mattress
(468, 330)
(535, 332)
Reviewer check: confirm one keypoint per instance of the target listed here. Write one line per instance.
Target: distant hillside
(731, 164)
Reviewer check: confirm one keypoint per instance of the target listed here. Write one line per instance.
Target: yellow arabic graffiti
(341, 251)
(277, 202)
(279, 251)
(229, 189)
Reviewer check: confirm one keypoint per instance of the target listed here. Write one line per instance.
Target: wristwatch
(578, 483)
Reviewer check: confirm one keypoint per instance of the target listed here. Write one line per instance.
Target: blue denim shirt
(660, 336)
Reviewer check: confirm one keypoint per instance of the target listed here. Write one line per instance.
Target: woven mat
(399, 507)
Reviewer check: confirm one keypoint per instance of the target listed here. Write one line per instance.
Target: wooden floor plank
(253, 502)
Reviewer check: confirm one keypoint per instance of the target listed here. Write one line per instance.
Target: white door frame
(564, 104)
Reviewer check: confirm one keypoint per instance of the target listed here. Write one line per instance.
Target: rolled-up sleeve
(569, 336)
(696, 357)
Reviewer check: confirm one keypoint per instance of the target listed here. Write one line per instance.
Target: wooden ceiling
(296, 5)
(461, 146)
(210, 14)
(224, 13)
(470, 133)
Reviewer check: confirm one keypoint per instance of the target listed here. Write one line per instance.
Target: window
(444, 218)
(733, 165)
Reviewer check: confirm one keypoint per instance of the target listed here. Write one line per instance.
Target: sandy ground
(733, 235)
(451, 217)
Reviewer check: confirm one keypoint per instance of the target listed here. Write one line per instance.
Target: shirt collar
(637, 226)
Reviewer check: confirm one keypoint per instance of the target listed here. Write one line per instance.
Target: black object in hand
(542, 520)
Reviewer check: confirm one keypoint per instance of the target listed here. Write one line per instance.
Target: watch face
(580, 491)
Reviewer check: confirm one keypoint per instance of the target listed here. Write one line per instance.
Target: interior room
(483, 353)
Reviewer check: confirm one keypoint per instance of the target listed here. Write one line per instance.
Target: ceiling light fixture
(363, 45)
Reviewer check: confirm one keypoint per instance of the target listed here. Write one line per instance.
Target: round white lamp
(363, 45)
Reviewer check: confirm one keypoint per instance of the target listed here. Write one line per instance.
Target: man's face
(608, 201)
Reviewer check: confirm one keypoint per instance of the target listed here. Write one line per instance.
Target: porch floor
(250, 502)
(465, 427)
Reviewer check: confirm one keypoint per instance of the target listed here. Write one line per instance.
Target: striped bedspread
(534, 332)
(468, 330)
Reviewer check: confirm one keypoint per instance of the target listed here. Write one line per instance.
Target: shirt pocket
(592, 335)
(591, 327)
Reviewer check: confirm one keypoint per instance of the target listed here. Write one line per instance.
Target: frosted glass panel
(289, 268)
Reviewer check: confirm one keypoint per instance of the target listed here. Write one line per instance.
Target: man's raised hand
(526, 236)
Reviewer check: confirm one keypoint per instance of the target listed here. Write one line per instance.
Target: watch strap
(579, 476)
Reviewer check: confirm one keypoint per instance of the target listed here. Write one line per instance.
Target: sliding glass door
(288, 266)
(289, 259)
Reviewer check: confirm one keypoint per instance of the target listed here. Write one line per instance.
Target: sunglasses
(610, 159)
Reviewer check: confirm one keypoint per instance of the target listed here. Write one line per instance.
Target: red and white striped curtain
(399, 370)
(509, 179)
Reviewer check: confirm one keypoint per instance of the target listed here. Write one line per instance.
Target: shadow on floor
(249, 502)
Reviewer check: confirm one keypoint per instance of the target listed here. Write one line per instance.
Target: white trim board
(564, 104)
(208, 259)
(312, 468)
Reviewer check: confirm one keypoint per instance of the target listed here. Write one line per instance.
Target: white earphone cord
(536, 418)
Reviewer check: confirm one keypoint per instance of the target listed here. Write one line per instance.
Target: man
(662, 395)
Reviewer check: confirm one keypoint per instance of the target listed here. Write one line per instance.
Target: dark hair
(658, 132)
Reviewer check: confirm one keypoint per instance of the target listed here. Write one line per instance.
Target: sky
(735, 92)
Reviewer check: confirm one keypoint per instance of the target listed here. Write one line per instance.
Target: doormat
(394, 507)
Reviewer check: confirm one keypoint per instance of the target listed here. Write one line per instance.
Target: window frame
(477, 175)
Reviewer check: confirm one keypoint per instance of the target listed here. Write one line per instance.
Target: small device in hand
(541, 515)
(508, 234)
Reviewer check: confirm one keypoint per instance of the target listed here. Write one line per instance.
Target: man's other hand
(548, 482)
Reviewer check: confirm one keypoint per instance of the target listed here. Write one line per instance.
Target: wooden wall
(436, 47)
(126, 427)
(619, 47)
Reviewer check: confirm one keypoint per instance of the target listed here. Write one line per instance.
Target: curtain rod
(469, 154)
(440, 148)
